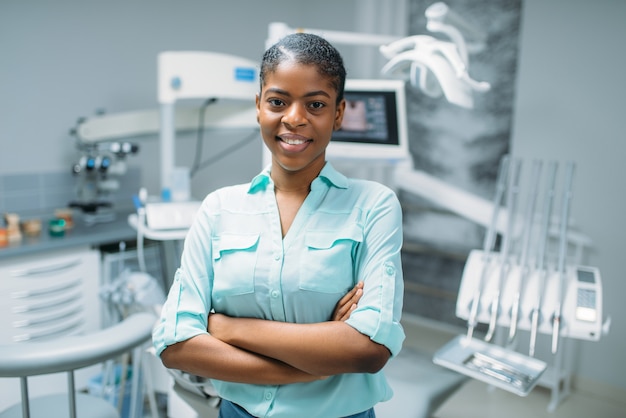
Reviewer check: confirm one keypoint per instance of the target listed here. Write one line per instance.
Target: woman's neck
(294, 182)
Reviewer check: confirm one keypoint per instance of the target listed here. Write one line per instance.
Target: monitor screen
(374, 123)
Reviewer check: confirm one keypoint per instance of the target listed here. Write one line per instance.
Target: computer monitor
(374, 125)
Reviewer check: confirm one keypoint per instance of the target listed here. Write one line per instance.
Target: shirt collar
(328, 175)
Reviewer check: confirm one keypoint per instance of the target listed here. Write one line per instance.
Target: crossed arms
(257, 351)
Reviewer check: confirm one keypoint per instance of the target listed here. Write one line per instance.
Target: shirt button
(277, 257)
(268, 396)
(389, 270)
(275, 293)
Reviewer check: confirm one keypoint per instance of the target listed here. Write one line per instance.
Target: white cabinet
(45, 296)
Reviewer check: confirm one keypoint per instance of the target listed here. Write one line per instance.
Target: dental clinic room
(473, 159)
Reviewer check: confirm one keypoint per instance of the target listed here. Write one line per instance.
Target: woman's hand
(348, 303)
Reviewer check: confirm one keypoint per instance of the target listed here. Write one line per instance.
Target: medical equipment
(488, 246)
(539, 293)
(171, 215)
(557, 320)
(190, 76)
(528, 219)
(199, 75)
(435, 67)
(374, 124)
(505, 262)
(546, 215)
(97, 171)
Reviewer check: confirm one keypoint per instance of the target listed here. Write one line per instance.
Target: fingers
(348, 303)
(351, 295)
(348, 312)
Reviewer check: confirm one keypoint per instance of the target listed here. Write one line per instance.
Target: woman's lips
(293, 143)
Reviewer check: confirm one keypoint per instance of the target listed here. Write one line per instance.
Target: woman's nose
(295, 116)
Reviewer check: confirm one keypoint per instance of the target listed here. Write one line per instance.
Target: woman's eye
(275, 102)
(317, 105)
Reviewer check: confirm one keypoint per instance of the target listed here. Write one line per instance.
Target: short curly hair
(306, 48)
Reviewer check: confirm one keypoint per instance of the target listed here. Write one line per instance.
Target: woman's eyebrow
(317, 93)
(276, 90)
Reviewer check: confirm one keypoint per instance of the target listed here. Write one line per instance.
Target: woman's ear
(258, 106)
(341, 107)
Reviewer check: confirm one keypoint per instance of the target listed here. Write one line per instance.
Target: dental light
(438, 67)
(435, 67)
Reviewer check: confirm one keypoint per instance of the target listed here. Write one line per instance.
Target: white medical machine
(184, 78)
(534, 282)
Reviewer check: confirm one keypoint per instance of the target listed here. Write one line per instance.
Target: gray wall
(570, 106)
(66, 59)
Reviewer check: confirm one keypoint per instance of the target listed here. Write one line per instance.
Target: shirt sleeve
(185, 312)
(379, 266)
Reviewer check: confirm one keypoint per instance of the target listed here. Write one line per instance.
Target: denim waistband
(232, 410)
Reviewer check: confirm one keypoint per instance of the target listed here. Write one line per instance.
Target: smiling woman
(292, 282)
(297, 114)
(301, 104)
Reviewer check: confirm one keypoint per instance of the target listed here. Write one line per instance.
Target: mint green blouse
(236, 262)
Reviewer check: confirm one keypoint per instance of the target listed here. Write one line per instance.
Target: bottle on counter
(13, 227)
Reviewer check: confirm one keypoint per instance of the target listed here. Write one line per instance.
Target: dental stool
(66, 355)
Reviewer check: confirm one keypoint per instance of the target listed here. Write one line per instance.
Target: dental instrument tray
(492, 364)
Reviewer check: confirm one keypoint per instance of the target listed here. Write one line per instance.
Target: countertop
(80, 234)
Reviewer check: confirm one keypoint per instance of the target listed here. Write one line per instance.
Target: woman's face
(297, 111)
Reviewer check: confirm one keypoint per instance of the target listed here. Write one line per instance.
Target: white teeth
(294, 141)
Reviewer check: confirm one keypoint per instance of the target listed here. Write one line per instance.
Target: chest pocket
(327, 264)
(234, 262)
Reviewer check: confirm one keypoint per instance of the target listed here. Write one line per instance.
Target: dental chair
(67, 355)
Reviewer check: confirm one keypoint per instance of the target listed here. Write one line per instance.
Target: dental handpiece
(506, 246)
(529, 217)
(541, 256)
(567, 197)
(489, 242)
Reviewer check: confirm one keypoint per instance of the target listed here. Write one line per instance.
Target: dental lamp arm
(410, 42)
(442, 19)
(451, 54)
(437, 74)
(277, 30)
